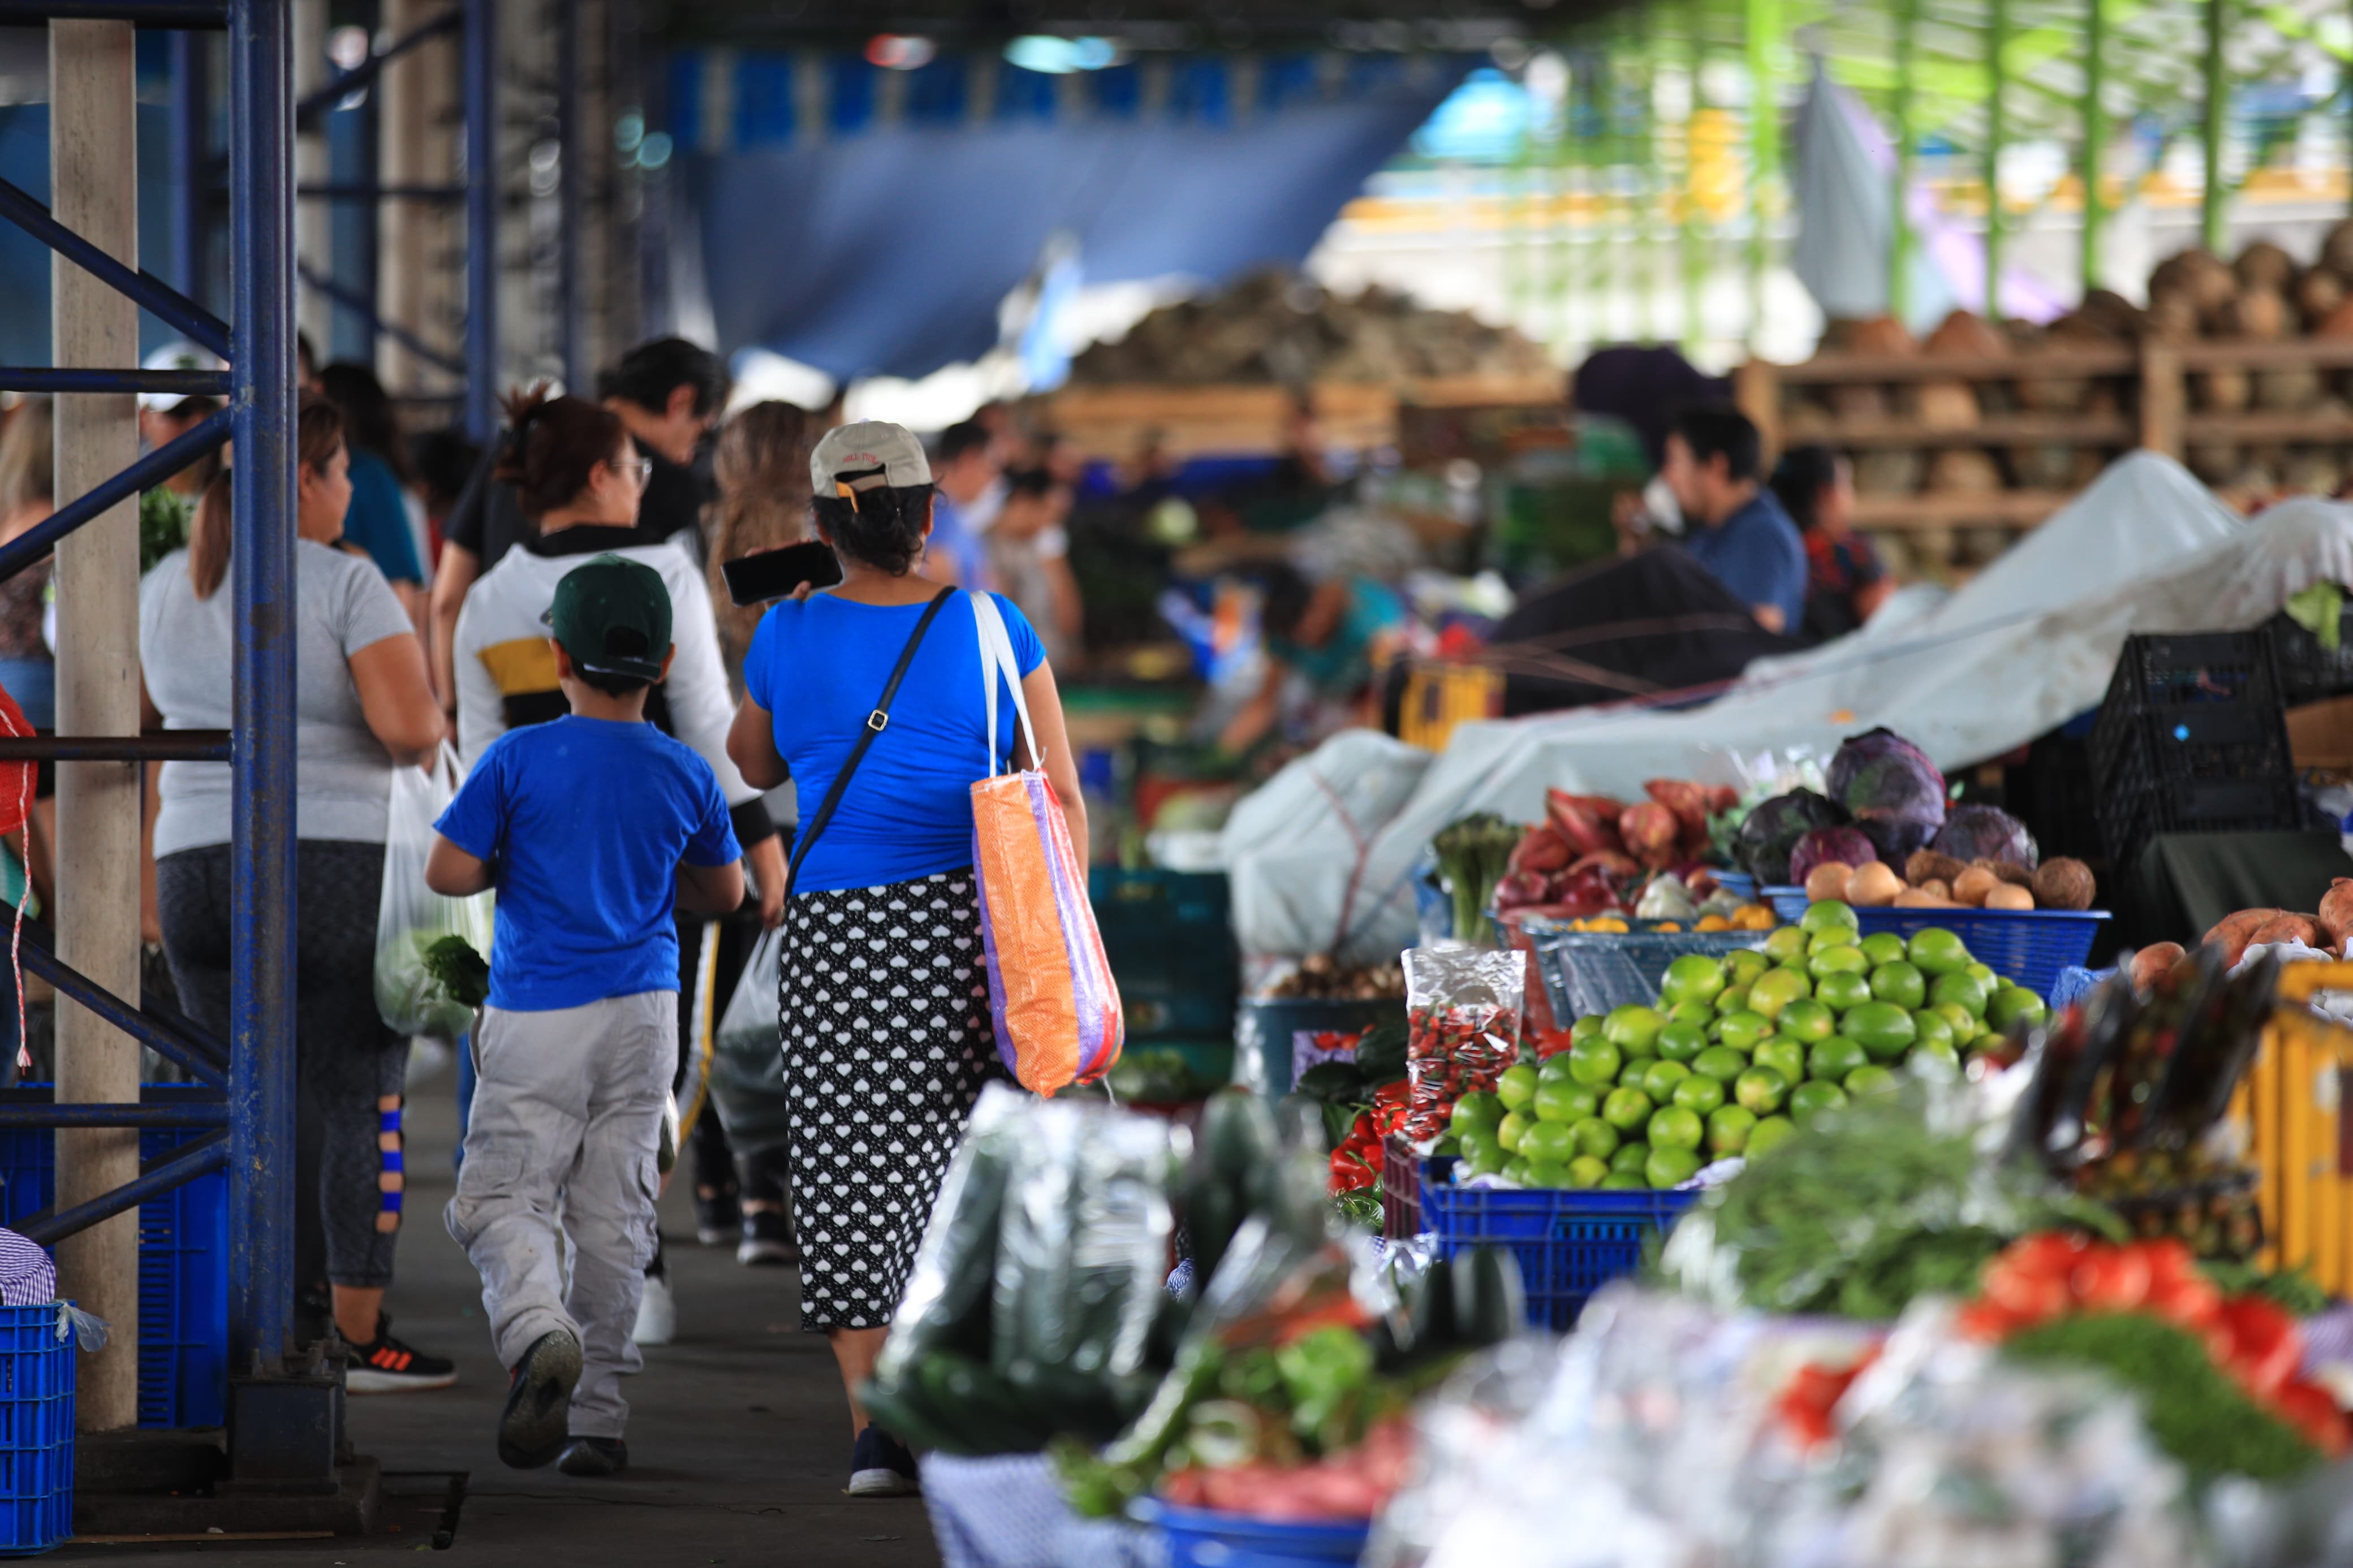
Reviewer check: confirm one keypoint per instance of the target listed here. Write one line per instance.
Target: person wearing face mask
(363, 707)
(581, 480)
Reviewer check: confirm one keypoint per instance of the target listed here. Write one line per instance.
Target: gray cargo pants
(561, 1150)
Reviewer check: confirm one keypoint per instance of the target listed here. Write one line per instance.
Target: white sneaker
(657, 1314)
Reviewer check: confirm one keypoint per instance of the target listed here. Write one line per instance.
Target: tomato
(2190, 1301)
(2168, 1260)
(2267, 1346)
(2028, 1296)
(2050, 1252)
(2309, 1409)
(1989, 1322)
(2111, 1279)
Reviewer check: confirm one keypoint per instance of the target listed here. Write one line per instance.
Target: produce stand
(1569, 1244)
(2028, 946)
(1112, 421)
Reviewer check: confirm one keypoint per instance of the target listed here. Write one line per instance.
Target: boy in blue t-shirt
(592, 828)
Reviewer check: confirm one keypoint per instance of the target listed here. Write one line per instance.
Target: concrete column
(314, 235)
(414, 149)
(93, 175)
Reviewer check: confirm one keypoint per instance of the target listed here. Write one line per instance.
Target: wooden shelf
(2266, 428)
(1993, 430)
(2295, 353)
(1841, 368)
(1958, 509)
(1112, 420)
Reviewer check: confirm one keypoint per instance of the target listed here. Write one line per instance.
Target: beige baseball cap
(852, 451)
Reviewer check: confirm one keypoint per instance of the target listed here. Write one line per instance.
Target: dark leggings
(350, 1069)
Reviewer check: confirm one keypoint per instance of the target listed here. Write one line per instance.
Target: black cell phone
(773, 575)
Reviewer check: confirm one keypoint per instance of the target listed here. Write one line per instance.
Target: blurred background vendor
(1332, 635)
(1732, 523)
(1845, 580)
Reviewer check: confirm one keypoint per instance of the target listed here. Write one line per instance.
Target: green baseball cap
(612, 615)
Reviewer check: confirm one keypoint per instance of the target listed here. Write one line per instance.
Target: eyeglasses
(640, 468)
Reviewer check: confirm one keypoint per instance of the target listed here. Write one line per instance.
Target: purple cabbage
(1847, 846)
(1880, 776)
(1987, 833)
(1897, 836)
(1773, 827)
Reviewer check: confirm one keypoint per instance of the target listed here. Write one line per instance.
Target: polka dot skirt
(883, 999)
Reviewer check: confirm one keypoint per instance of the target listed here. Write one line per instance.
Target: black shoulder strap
(876, 722)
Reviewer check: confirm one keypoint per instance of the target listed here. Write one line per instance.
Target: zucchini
(1433, 1309)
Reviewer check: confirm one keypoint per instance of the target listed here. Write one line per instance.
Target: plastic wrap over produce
(1652, 1429)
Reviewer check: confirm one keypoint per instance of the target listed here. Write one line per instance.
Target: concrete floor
(739, 1440)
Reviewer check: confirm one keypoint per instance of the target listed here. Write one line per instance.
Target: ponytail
(318, 431)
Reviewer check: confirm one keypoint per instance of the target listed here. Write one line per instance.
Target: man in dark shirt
(1732, 523)
(669, 393)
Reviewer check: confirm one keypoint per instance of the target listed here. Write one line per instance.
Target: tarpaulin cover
(870, 223)
(1318, 864)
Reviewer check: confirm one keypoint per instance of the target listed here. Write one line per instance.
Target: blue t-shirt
(1757, 554)
(952, 538)
(817, 668)
(584, 822)
(378, 520)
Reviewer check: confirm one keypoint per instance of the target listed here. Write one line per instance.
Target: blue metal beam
(195, 1114)
(37, 543)
(192, 126)
(150, 746)
(311, 105)
(151, 293)
(184, 1165)
(261, 864)
(381, 192)
(353, 299)
(178, 13)
(480, 94)
(175, 1038)
(182, 383)
(569, 340)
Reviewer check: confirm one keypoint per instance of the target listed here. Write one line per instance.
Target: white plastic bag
(747, 1073)
(412, 917)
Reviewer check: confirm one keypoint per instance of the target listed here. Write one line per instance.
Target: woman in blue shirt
(378, 521)
(884, 989)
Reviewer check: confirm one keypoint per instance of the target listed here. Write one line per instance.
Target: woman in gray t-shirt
(363, 707)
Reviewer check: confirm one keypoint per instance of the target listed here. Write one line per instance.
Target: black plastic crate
(1170, 943)
(2307, 672)
(2191, 739)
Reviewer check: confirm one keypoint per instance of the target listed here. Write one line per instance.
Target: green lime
(1595, 1138)
(1548, 1143)
(1882, 1028)
(1744, 1032)
(1554, 1069)
(1839, 958)
(1594, 1062)
(1626, 1108)
(1742, 966)
(1983, 975)
(1659, 1081)
(1721, 1063)
(1808, 1020)
(1842, 990)
(1636, 1069)
(1830, 1061)
(1511, 1129)
(1936, 951)
(2015, 1005)
(1827, 915)
(1698, 1092)
(1549, 1174)
(1673, 1127)
(1517, 1087)
(1586, 1028)
(1809, 1100)
(1869, 1080)
(1930, 1024)
(1694, 977)
(1899, 982)
(1776, 989)
(1624, 1182)
(1520, 1173)
(1698, 1015)
(1785, 943)
(1630, 1156)
(1940, 1049)
(1962, 990)
(1586, 1172)
(1769, 1132)
(1964, 1023)
(1483, 1155)
(1728, 1127)
(1478, 1108)
(1681, 1042)
(1986, 1042)
(1631, 1029)
(1732, 999)
(1784, 1056)
(1882, 947)
(1671, 1167)
(1563, 1101)
(1760, 1091)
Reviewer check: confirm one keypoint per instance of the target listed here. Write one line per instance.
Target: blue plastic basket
(2029, 946)
(183, 1262)
(1569, 1244)
(1739, 884)
(1590, 972)
(37, 1431)
(1204, 1538)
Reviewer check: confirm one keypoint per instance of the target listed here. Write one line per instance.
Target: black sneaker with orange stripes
(384, 1365)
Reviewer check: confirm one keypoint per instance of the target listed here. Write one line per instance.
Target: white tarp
(2026, 646)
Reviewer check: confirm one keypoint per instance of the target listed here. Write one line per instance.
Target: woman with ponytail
(363, 707)
(884, 905)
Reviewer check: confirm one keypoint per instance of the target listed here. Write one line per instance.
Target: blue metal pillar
(261, 895)
(480, 79)
(191, 147)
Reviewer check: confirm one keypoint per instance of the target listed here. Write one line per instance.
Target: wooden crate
(1112, 421)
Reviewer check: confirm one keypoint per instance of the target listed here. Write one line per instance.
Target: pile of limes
(1738, 1053)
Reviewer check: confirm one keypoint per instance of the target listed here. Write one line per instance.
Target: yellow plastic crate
(2293, 1101)
(1437, 697)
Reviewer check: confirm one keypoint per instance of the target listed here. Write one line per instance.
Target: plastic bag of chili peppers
(1463, 1022)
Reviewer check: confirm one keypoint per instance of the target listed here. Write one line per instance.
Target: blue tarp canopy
(871, 222)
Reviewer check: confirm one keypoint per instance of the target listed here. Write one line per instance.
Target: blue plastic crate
(37, 1431)
(183, 1271)
(1569, 1244)
(1739, 884)
(1588, 972)
(1170, 944)
(2028, 946)
(1208, 1538)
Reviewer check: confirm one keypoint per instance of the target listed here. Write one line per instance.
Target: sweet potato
(2337, 912)
(1541, 849)
(2230, 933)
(1650, 833)
(2153, 963)
(2287, 928)
(1687, 800)
(1576, 818)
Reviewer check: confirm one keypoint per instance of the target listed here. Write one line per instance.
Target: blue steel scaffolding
(248, 1121)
